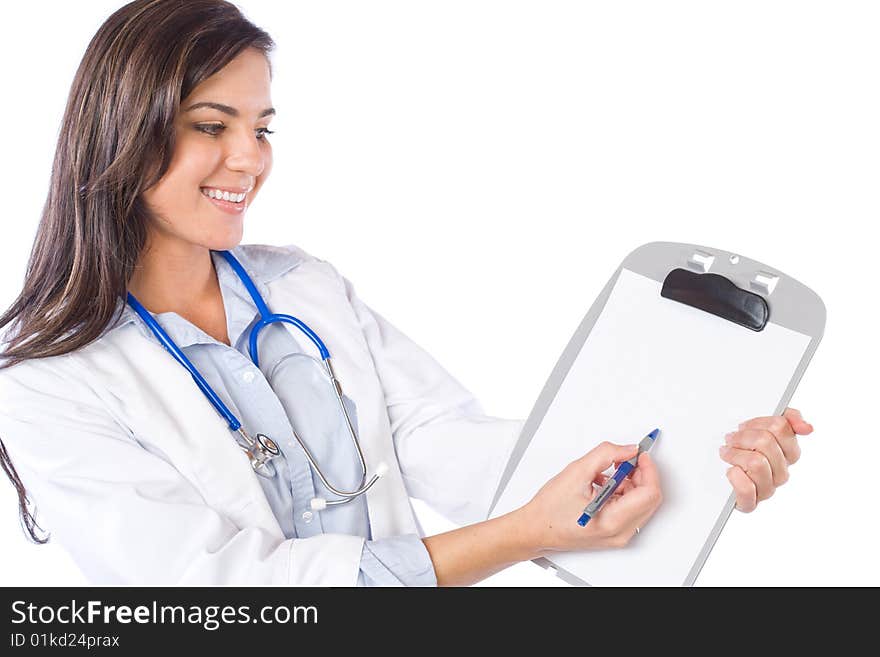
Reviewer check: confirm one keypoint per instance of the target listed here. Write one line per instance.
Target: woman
(170, 108)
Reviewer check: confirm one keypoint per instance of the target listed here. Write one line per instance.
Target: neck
(174, 276)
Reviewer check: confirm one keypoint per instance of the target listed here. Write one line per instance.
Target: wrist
(524, 533)
(471, 553)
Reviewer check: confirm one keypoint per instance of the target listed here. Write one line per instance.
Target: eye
(214, 129)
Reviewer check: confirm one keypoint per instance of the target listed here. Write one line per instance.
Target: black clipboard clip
(717, 295)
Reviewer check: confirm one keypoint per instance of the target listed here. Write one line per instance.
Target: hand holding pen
(607, 489)
(548, 521)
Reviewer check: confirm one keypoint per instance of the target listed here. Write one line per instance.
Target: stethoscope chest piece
(267, 445)
(260, 451)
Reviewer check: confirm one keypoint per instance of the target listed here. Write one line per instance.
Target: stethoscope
(261, 450)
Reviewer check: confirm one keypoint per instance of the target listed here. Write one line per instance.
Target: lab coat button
(248, 376)
(307, 516)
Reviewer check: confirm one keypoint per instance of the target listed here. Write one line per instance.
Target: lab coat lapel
(167, 413)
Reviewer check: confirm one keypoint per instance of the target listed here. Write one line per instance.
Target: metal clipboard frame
(792, 305)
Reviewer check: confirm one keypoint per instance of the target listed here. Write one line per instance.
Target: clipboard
(687, 338)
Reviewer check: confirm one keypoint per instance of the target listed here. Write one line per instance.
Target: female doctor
(169, 434)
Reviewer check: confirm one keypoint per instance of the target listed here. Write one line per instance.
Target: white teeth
(226, 196)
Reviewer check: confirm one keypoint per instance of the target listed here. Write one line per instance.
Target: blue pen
(616, 479)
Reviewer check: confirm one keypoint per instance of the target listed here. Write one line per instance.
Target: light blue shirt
(290, 390)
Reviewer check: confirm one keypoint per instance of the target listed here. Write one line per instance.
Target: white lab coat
(138, 477)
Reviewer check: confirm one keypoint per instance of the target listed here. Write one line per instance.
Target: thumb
(797, 422)
(602, 456)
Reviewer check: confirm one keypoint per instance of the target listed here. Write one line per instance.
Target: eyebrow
(226, 109)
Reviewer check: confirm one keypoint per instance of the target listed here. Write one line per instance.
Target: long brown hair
(116, 140)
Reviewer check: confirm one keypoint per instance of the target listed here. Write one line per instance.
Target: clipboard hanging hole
(764, 282)
(701, 261)
(734, 259)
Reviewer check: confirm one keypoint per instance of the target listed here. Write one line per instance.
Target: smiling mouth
(230, 207)
(232, 198)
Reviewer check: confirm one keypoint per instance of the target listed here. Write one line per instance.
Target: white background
(479, 169)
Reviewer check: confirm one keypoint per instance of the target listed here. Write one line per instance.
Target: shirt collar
(263, 263)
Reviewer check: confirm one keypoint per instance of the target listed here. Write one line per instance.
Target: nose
(245, 153)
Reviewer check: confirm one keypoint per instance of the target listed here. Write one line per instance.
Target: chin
(224, 242)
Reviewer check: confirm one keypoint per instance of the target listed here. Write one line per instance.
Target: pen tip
(653, 435)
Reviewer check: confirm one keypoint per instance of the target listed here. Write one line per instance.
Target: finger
(800, 426)
(633, 509)
(755, 465)
(601, 477)
(645, 472)
(764, 442)
(603, 456)
(645, 481)
(781, 430)
(776, 424)
(625, 485)
(790, 422)
(746, 493)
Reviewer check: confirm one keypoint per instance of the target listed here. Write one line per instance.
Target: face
(216, 148)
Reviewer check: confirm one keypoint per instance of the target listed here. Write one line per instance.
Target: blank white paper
(651, 362)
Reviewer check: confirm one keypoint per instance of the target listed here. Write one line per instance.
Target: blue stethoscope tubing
(261, 450)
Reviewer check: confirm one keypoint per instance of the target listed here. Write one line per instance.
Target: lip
(227, 206)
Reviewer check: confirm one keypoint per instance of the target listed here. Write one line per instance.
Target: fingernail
(728, 436)
(723, 449)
